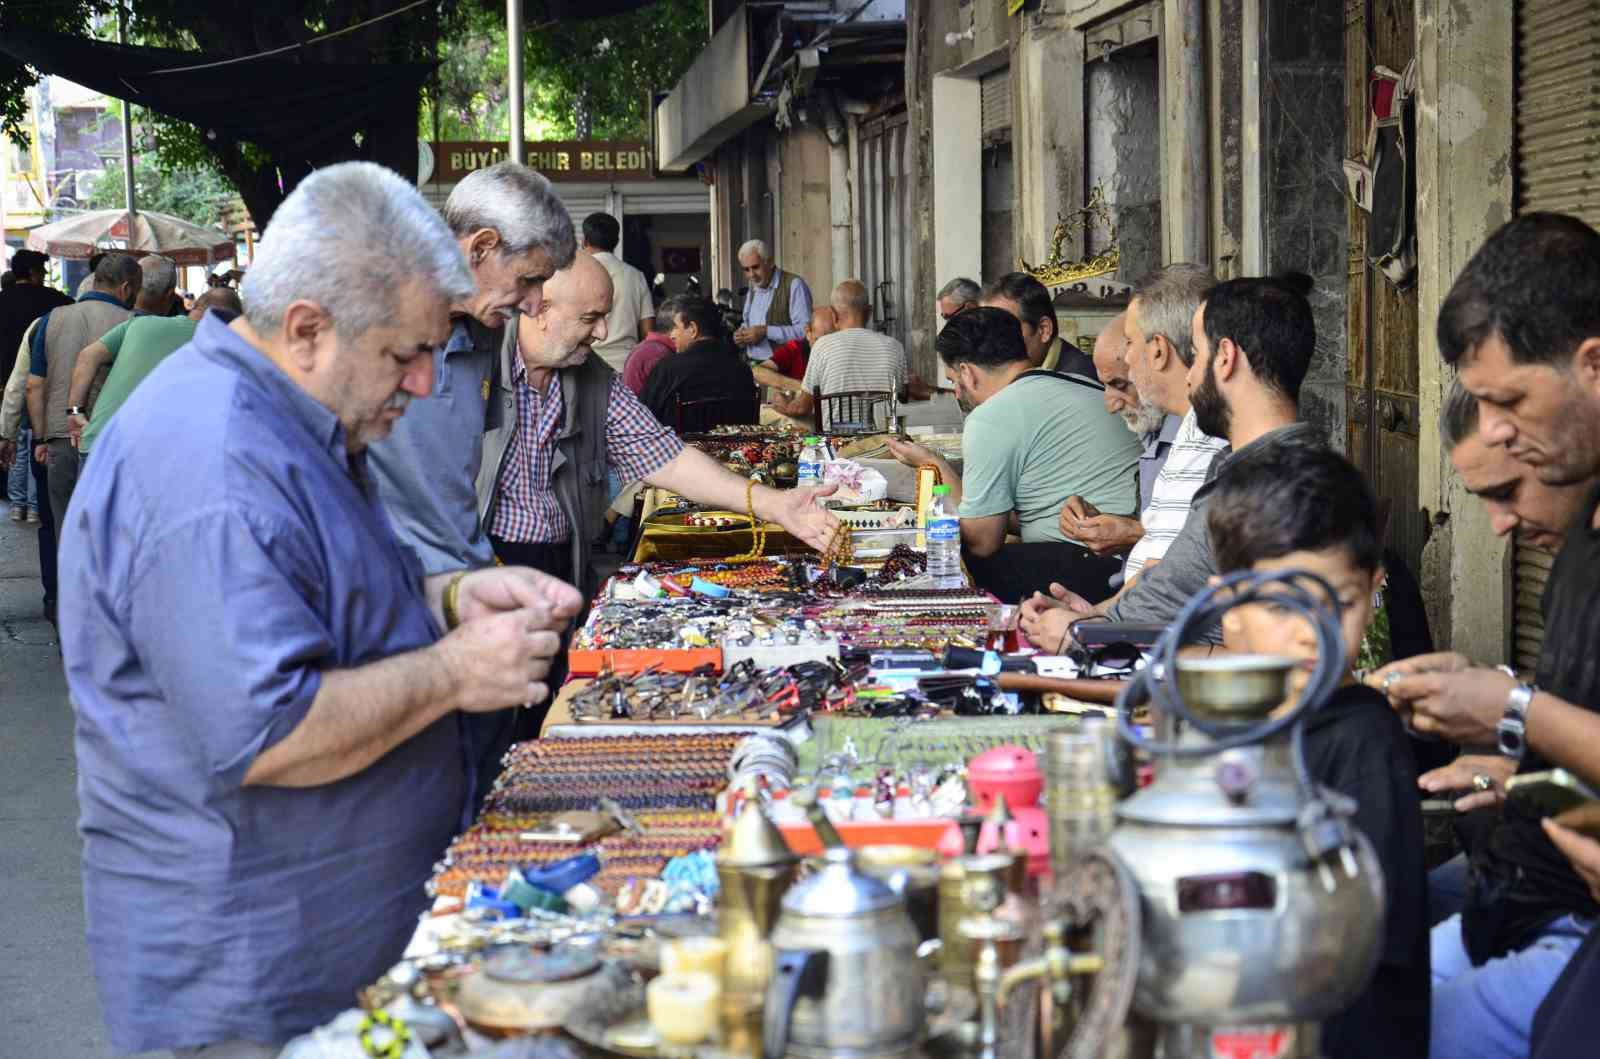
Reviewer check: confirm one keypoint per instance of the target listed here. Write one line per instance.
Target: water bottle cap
(812, 441)
(941, 490)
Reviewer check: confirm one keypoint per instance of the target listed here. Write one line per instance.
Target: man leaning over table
(268, 689)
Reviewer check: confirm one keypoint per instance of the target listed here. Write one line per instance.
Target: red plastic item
(1029, 832)
(803, 840)
(673, 660)
(1010, 770)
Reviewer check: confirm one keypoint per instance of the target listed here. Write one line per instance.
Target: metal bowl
(1235, 687)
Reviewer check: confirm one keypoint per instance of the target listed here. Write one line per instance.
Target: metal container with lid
(755, 866)
(847, 982)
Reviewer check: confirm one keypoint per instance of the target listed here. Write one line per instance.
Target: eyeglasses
(947, 317)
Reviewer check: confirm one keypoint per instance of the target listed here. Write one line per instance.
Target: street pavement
(47, 998)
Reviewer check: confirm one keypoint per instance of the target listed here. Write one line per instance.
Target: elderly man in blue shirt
(269, 693)
(777, 305)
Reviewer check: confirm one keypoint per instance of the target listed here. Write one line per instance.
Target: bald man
(853, 358)
(788, 364)
(563, 417)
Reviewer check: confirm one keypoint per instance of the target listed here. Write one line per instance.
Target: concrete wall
(1464, 192)
(1124, 153)
(1304, 220)
(804, 238)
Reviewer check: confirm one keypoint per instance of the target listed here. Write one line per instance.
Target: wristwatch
(75, 411)
(1513, 726)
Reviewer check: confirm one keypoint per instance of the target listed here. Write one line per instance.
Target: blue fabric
(1487, 1012)
(1157, 446)
(20, 489)
(38, 364)
(427, 468)
(1447, 889)
(217, 565)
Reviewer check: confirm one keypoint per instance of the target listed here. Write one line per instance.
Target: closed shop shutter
(994, 107)
(1558, 154)
(885, 224)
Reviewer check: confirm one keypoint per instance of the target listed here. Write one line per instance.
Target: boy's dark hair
(701, 312)
(601, 231)
(1033, 298)
(986, 338)
(1275, 499)
(1269, 319)
(1535, 283)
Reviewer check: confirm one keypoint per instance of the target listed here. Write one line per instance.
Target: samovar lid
(838, 890)
(1233, 687)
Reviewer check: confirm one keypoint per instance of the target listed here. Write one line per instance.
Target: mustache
(398, 402)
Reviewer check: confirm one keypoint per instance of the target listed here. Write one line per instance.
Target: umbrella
(153, 233)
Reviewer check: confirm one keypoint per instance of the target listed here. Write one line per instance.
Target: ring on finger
(1388, 681)
(1482, 782)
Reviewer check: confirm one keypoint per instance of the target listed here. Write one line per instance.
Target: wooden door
(1382, 383)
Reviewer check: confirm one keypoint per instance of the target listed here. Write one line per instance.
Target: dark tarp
(293, 110)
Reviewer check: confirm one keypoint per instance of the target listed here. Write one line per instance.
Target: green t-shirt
(1039, 441)
(137, 345)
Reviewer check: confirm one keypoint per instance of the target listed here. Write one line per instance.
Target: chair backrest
(834, 410)
(698, 416)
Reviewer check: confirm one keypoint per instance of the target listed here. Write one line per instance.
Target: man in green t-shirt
(133, 349)
(1032, 438)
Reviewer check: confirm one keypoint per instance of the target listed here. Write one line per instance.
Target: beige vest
(69, 329)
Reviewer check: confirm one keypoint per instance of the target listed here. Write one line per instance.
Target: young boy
(1307, 508)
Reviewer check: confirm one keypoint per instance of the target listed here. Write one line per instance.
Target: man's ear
(306, 327)
(1586, 365)
(1226, 359)
(480, 243)
(1160, 351)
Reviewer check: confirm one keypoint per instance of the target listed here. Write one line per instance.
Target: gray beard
(1145, 419)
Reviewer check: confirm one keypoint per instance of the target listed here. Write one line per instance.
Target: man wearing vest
(53, 351)
(776, 305)
(559, 418)
(1032, 438)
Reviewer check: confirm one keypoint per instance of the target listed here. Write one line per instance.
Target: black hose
(1157, 682)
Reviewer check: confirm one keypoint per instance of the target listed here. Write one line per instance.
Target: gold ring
(1482, 781)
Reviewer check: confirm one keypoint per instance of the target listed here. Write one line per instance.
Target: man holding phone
(1522, 325)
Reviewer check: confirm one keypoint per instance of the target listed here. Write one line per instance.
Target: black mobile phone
(1092, 634)
(1550, 792)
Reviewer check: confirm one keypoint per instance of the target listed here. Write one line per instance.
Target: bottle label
(944, 529)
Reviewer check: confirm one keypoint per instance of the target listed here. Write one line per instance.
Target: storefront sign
(558, 160)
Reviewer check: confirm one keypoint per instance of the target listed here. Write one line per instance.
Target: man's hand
(76, 425)
(1462, 706)
(8, 452)
(41, 453)
(497, 661)
(502, 589)
(751, 335)
(1046, 619)
(1437, 662)
(1584, 853)
(1460, 775)
(911, 454)
(800, 514)
(1102, 534)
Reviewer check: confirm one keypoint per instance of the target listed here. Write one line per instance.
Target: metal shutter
(994, 107)
(1558, 154)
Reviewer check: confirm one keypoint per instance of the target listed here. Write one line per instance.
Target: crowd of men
(302, 621)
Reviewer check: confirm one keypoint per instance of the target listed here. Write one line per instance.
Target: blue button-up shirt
(216, 565)
(426, 468)
(758, 302)
(1156, 448)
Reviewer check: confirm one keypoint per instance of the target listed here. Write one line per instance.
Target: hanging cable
(291, 47)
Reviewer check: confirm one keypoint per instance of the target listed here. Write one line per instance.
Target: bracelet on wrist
(452, 600)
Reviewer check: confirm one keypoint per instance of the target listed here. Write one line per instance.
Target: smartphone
(1550, 792)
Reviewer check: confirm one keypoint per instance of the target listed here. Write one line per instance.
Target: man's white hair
(757, 247)
(350, 238)
(519, 205)
(160, 276)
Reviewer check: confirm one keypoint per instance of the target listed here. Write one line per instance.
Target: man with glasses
(956, 297)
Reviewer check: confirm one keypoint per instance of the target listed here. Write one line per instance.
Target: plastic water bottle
(944, 541)
(811, 457)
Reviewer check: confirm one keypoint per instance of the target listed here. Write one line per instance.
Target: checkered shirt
(527, 511)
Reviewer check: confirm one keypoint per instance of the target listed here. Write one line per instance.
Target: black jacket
(706, 370)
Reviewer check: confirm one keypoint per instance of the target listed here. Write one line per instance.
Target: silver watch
(1513, 726)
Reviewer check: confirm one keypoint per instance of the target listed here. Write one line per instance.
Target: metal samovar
(1261, 905)
(1234, 904)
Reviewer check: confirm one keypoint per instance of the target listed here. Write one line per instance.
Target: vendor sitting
(706, 367)
(1307, 508)
(854, 358)
(1032, 438)
(787, 367)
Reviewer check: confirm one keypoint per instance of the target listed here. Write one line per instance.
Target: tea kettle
(846, 983)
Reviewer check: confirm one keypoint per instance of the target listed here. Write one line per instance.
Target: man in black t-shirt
(1522, 325)
(1306, 508)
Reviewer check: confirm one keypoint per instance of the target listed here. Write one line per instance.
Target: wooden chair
(698, 416)
(850, 406)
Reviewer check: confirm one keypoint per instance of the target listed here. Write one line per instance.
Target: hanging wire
(291, 47)
(1301, 592)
